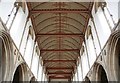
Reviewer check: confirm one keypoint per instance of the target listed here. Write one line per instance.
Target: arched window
(18, 25)
(102, 26)
(40, 72)
(84, 61)
(79, 72)
(99, 3)
(35, 61)
(29, 47)
(90, 46)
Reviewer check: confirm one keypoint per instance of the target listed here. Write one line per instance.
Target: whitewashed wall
(84, 62)
(19, 31)
(79, 73)
(6, 8)
(40, 73)
(18, 26)
(25, 37)
(35, 63)
(91, 51)
(101, 25)
(112, 6)
(95, 38)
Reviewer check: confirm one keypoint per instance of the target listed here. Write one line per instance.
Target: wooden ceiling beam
(42, 50)
(58, 61)
(53, 77)
(60, 34)
(55, 61)
(59, 68)
(59, 10)
(60, 73)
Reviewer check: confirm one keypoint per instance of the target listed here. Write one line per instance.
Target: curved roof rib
(60, 30)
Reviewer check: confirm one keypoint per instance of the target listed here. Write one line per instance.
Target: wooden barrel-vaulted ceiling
(60, 28)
